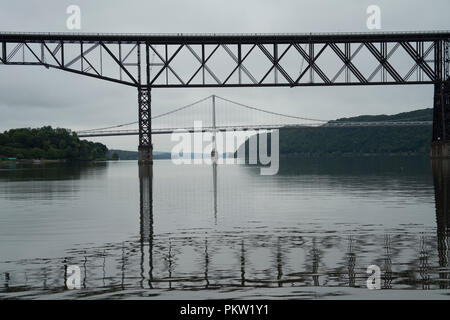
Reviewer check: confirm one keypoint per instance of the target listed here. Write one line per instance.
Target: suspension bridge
(220, 114)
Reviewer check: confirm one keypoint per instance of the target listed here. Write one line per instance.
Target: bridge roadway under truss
(148, 61)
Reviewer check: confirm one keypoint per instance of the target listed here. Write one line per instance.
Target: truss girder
(237, 60)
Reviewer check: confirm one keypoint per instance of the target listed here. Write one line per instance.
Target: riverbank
(29, 161)
(352, 155)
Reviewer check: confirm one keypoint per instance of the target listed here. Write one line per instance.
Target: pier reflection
(146, 219)
(441, 178)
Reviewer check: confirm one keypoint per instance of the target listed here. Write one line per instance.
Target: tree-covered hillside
(416, 115)
(368, 140)
(362, 140)
(414, 140)
(48, 143)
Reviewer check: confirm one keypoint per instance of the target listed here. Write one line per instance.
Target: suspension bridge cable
(301, 66)
(155, 117)
(271, 112)
(180, 108)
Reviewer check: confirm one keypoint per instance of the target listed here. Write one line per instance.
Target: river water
(213, 232)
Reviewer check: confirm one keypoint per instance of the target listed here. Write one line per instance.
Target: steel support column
(440, 145)
(145, 126)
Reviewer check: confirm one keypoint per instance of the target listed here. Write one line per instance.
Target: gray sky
(31, 97)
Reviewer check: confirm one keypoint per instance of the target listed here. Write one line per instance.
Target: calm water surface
(201, 231)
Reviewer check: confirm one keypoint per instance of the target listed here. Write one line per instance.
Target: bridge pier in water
(440, 145)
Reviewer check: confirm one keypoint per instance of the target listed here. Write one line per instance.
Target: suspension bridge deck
(105, 133)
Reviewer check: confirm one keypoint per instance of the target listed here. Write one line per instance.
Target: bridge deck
(106, 133)
(226, 38)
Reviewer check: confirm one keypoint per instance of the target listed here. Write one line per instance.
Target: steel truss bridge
(147, 61)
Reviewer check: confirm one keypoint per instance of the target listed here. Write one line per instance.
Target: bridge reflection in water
(165, 253)
(441, 178)
(232, 261)
(352, 274)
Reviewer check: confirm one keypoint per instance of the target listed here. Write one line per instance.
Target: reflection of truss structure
(227, 261)
(179, 60)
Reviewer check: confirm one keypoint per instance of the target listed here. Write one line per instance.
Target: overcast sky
(32, 97)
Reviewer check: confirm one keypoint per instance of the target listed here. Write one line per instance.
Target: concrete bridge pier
(145, 155)
(440, 145)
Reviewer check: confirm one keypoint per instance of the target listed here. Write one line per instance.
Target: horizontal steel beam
(214, 38)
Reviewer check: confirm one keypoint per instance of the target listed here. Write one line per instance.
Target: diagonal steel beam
(57, 48)
(166, 63)
(384, 61)
(348, 63)
(388, 56)
(91, 67)
(119, 63)
(418, 59)
(424, 56)
(52, 53)
(175, 74)
(102, 77)
(3, 57)
(311, 62)
(203, 64)
(351, 58)
(275, 63)
(13, 52)
(81, 55)
(130, 52)
(34, 54)
(239, 63)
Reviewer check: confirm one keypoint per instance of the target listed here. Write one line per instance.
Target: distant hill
(416, 115)
(133, 155)
(361, 140)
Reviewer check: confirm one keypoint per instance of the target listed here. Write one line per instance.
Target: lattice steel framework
(238, 60)
(144, 116)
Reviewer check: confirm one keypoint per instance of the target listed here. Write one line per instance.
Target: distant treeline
(49, 143)
(416, 115)
(134, 155)
(362, 140)
(356, 141)
(412, 140)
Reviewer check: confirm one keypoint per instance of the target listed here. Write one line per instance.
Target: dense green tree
(49, 143)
